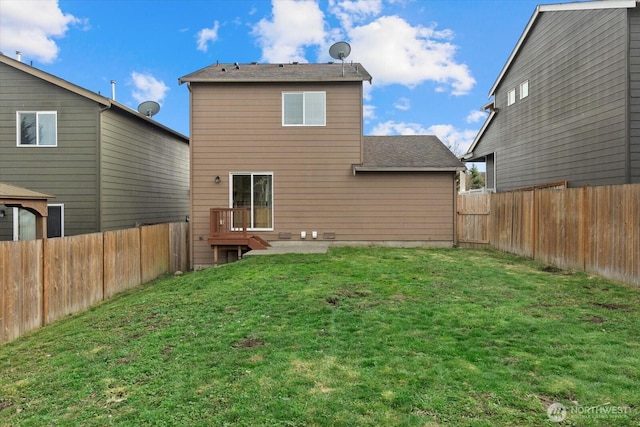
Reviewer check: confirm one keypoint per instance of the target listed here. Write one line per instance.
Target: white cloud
(476, 116)
(457, 140)
(31, 27)
(207, 35)
(148, 88)
(403, 104)
(295, 25)
(349, 12)
(369, 112)
(395, 52)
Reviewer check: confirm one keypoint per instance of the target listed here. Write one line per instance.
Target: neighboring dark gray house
(108, 166)
(566, 105)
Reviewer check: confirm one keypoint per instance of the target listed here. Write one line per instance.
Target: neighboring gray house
(108, 166)
(566, 105)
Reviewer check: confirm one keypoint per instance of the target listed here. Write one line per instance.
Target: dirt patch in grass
(609, 306)
(551, 269)
(126, 359)
(594, 319)
(167, 349)
(545, 400)
(5, 405)
(333, 301)
(249, 343)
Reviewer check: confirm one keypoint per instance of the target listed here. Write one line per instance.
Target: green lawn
(357, 337)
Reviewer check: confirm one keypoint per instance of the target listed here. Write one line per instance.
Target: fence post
(45, 284)
(584, 228)
(535, 224)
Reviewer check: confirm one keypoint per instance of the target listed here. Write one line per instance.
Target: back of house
(285, 143)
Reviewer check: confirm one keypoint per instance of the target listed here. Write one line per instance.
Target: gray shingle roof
(293, 72)
(410, 153)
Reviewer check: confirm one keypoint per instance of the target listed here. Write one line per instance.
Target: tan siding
(238, 128)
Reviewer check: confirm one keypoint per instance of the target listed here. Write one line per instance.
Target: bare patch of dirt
(594, 319)
(167, 349)
(333, 301)
(126, 359)
(249, 343)
(551, 269)
(545, 400)
(610, 306)
(5, 404)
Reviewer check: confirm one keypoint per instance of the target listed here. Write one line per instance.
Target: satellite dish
(340, 50)
(149, 108)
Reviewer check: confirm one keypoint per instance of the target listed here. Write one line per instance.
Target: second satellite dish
(149, 108)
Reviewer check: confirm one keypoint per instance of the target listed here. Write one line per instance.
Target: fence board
(560, 227)
(20, 288)
(595, 229)
(473, 220)
(121, 261)
(179, 246)
(73, 271)
(154, 251)
(41, 281)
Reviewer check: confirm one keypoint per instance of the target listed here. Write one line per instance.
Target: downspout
(627, 106)
(191, 233)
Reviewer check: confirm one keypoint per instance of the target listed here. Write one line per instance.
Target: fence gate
(472, 218)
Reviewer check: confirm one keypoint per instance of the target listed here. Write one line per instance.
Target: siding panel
(238, 128)
(67, 171)
(572, 126)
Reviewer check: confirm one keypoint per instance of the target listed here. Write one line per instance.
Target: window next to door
(254, 191)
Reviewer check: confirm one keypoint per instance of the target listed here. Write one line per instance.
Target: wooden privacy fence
(594, 229)
(42, 281)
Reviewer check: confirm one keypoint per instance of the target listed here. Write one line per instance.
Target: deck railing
(225, 221)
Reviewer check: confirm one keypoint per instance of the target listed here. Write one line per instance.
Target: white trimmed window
(254, 191)
(511, 97)
(524, 89)
(37, 128)
(24, 222)
(303, 108)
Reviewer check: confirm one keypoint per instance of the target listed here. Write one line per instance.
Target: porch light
(217, 180)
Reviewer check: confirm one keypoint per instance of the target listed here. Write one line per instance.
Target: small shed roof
(8, 191)
(292, 72)
(12, 195)
(407, 153)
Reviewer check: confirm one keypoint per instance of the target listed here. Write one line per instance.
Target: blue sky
(432, 61)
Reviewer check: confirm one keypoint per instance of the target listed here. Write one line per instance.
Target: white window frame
(305, 106)
(524, 89)
(16, 219)
(251, 224)
(511, 97)
(37, 114)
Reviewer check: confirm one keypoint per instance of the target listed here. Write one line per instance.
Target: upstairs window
(37, 128)
(303, 109)
(511, 97)
(524, 89)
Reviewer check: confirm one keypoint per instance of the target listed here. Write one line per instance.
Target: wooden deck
(228, 229)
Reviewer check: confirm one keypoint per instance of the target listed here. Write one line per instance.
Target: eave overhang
(587, 5)
(362, 168)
